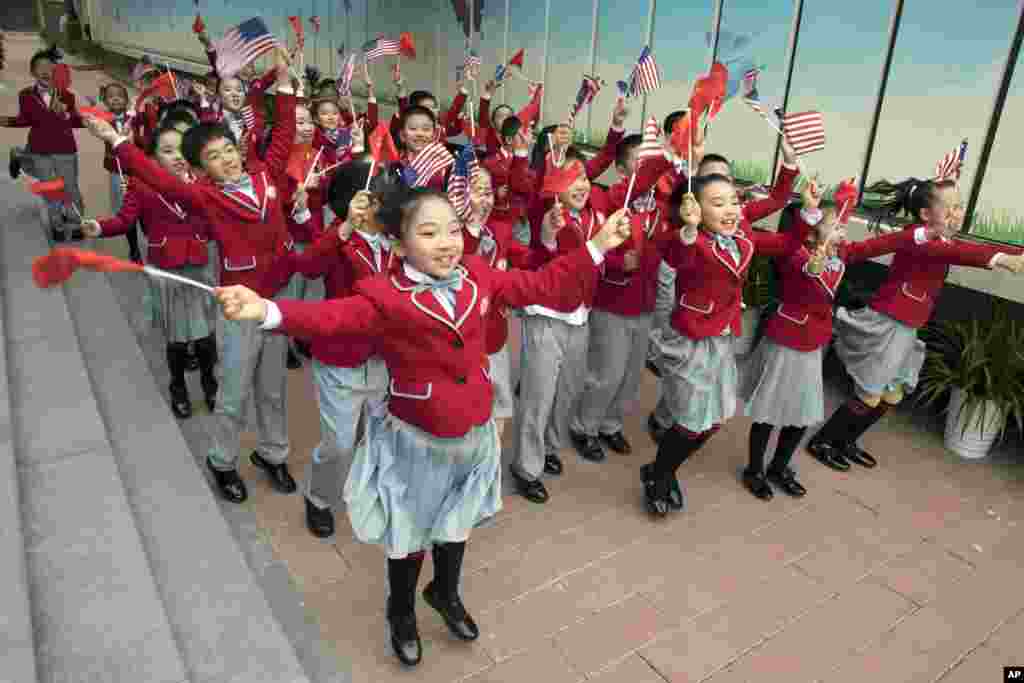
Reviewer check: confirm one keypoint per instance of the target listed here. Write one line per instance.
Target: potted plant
(758, 293)
(981, 366)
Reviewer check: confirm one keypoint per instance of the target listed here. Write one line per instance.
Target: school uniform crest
(502, 264)
(271, 192)
(485, 305)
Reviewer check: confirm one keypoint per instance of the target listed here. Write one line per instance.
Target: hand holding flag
(466, 169)
(845, 197)
(950, 166)
(241, 45)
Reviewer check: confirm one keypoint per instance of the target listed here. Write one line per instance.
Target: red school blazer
(342, 265)
(175, 237)
(803, 320)
(253, 238)
(633, 293)
(513, 183)
(709, 282)
(48, 131)
(918, 272)
(438, 366)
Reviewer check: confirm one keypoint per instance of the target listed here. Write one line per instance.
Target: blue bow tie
(728, 243)
(833, 263)
(452, 283)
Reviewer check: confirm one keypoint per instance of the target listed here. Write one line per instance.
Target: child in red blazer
(348, 374)
(699, 380)
(513, 181)
(114, 97)
(783, 384)
(427, 469)
(418, 127)
(177, 241)
(51, 117)
(878, 344)
(243, 207)
(448, 124)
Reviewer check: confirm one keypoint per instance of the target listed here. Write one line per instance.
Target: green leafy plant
(984, 359)
(751, 172)
(1003, 226)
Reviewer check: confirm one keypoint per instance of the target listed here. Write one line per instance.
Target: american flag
(950, 166)
(588, 91)
(242, 44)
(248, 117)
(645, 77)
(348, 69)
(472, 63)
(805, 131)
(650, 147)
(381, 47)
(753, 101)
(750, 81)
(500, 72)
(466, 168)
(432, 159)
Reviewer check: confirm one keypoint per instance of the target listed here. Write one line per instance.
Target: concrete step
(95, 608)
(17, 648)
(221, 619)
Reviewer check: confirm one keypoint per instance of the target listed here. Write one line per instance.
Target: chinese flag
(517, 58)
(198, 26)
(407, 46)
(300, 32)
(96, 113)
(845, 198)
(298, 162)
(558, 180)
(382, 145)
(681, 131)
(162, 86)
(61, 77)
(52, 190)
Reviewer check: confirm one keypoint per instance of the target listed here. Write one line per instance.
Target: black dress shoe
(181, 406)
(786, 480)
(532, 490)
(656, 431)
(135, 256)
(757, 484)
(828, 455)
(279, 475)
(319, 521)
(617, 442)
(655, 492)
(293, 361)
(588, 447)
(210, 387)
(405, 639)
(552, 464)
(856, 454)
(453, 612)
(14, 164)
(654, 369)
(229, 484)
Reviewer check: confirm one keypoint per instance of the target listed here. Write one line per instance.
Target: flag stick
(689, 161)
(120, 171)
(77, 212)
(629, 190)
(799, 163)
(312, 168)
(369, 177)
(472, 123)
(157, 272)
(174, 82)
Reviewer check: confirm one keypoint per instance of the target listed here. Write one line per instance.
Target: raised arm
(148, 171)
(131, 210)
(777, 200)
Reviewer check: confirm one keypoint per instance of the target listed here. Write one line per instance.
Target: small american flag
(381, 47)
(348, 69)
(753, 101)
(466, 168)
(650, 147)
(432, 159)
(588, 91)
(500, 72)
(248, 117)
(472, 63)
(950, 166)
(645, 77)
(805, 131)
(242, 44)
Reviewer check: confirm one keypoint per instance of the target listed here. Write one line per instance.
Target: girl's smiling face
(168, 153)
(328, 116)
(304, 127)
(576, 196)
(418, 132)
(946, 212)
(232, 94)
(432, 244)
(481, 195)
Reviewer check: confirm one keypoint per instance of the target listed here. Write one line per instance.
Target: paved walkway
(910, 572)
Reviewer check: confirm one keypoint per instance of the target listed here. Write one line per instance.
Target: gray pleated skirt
(183, 312)
(880, 353)
(783, 387)
(699, 380)
(407, 489)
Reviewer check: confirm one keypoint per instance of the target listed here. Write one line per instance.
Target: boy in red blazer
(50, 115)
(243, 207)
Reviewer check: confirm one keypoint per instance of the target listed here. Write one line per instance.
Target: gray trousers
(50, 166)
(663, 306)
(615, 359)
(252, 363)
(343, 395)
(552, 373)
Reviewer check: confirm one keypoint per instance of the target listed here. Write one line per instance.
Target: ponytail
(908, 197)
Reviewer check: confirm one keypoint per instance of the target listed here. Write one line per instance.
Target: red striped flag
(650, 147)
(645, 77)
(381, 47)
(805, 131)
(432, 159)
(348, 70)
(465, 170)
(242, 44)
(588, 91)
(950, 166)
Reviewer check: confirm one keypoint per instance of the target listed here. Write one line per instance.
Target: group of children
(409, 345)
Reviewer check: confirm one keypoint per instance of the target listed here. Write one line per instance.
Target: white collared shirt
(422, 278)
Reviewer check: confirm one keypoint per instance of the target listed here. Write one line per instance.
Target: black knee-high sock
(760, 433)
(448, 567)
(176, 363)
(403, 575)
(864, 422)
(789, 439)
(835, 431)
(133, 240)
(675, 448)
(206, 352)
